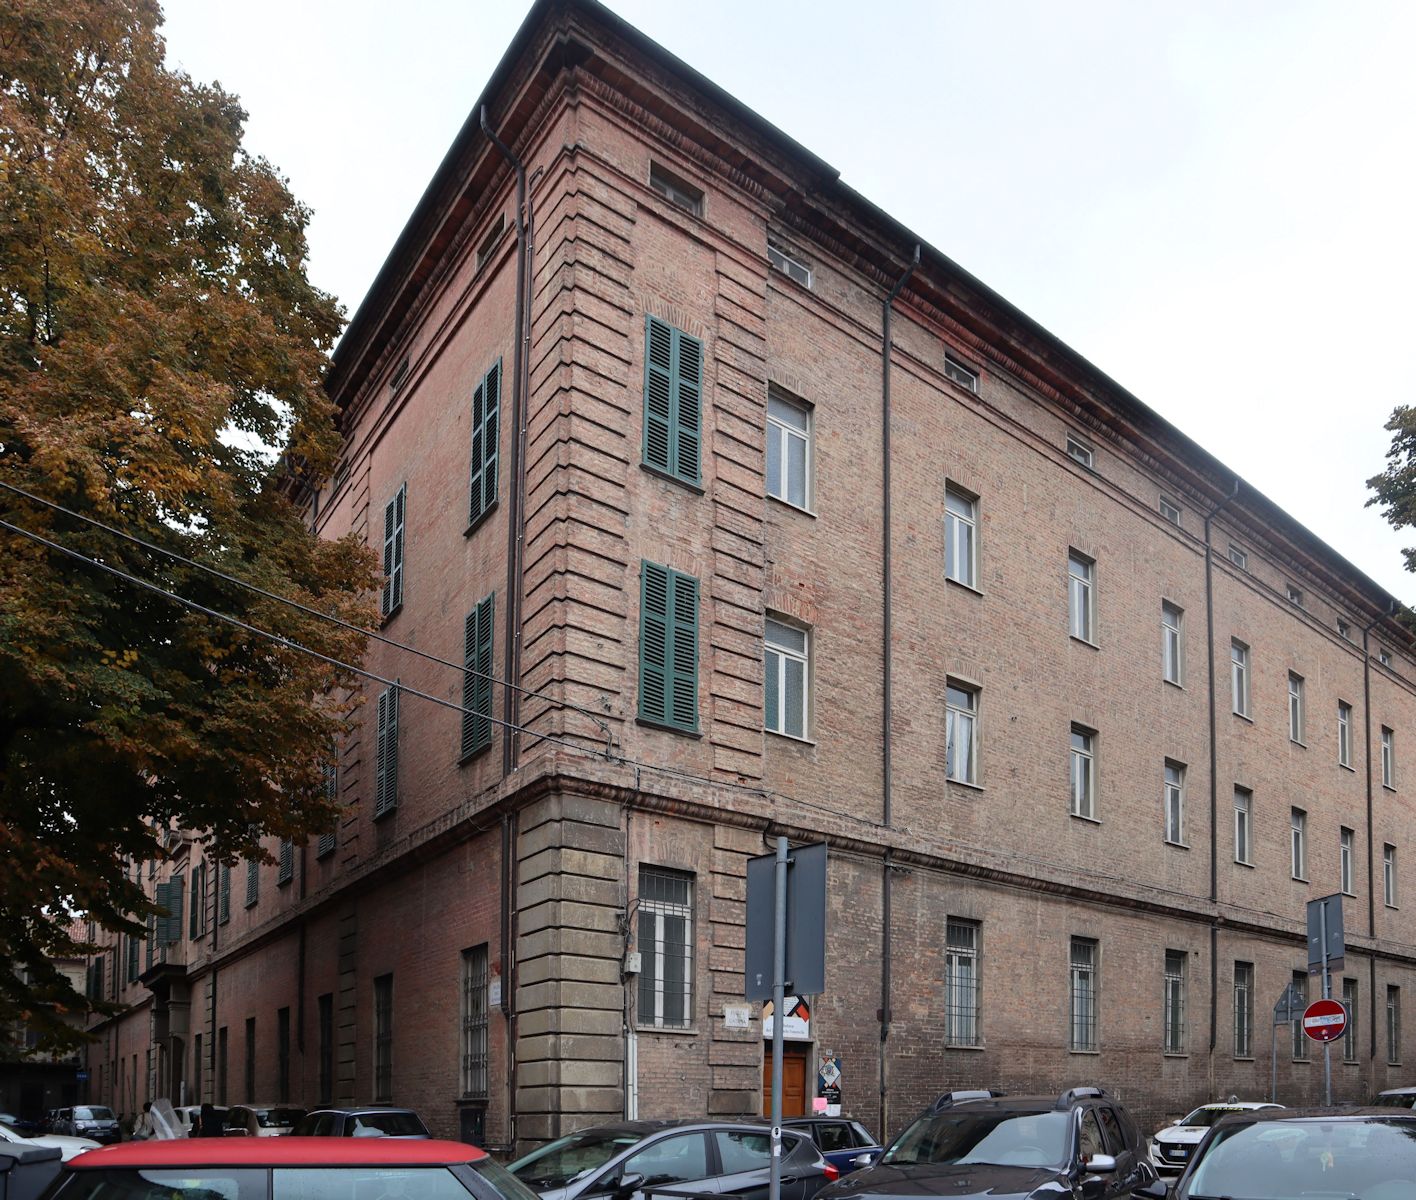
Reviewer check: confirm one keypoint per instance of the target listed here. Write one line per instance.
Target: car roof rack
(949, 1099)
(1072, 1095)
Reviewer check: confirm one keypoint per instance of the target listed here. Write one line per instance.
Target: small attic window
(489, 243)
(1079, 451)
(788, 262)
(964, 376)
(399, 376)
(677, 191)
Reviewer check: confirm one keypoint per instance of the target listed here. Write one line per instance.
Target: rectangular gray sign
(806, 923)
(1332, 907)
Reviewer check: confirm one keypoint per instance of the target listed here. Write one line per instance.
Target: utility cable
(304, 608)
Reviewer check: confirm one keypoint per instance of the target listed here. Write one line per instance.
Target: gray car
(622, 1161)
(370, 1120)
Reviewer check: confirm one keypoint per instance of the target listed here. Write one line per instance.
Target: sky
(1212, 202)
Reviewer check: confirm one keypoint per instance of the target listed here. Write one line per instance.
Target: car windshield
(93, 1114)
(1276, 1160)
(1007, 1139)
(508, 1186)
(1209, 1114)
(570, 1157)
(276, 1117)
(393, 1124)
(1396, 1100)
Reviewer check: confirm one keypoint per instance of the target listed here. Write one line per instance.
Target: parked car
(622, 1160)
(190, 1114)
(261, 1120)
(68, 1147)
(372, 1120)
(1172, 1147)
(1395, 1098)
(21, 1125)
(1277, 1154)
(286, 1169)
(88, 1121)
(845, 1144)
(1080, 1144)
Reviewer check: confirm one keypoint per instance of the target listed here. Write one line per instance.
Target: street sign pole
(1327, 995)
(1273, 1063)
(779, 988)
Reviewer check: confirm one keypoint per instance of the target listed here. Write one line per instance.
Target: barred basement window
(1083, 994)
(286, 871)
(1393, 1023)
(1300, 1039)
(961, 1011)
(282, 1055)
(474, 1022)
(383, 1038)
(666, 948)
(1349, 1038)
(1243, 1010)
(326, 1047)
(1174, 1002)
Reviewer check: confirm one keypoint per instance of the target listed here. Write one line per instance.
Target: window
(1243, 826)
(673, 391)
(1295, 708)
(486, 446)
(788, 262)
(1170, 510)
(1079, 451)
(1393, 1023)
(489, 243)
(1388, 758)
(253, 882)
(1389, 875)
(477, 678)
(1295, 595)
(133, 948)
(961, 734)
(1171, 648)
(394, 513)
(196, 1066)
(1080, 574)
(221, 1064)
(1300, 1039)
(961, 984)
(666, 948)
(1344, 734)
(1173, 1015)
(474, 1021)
(282, 1055)
(326, 1048)
(960, 537)
(286, 870)
(250, 1057)
(1243, 1010)
(1344, 630)
(223, 894)
(676, 190)
(1083, 773)
(383, 1038)
(325, 846)
(1239, 557)
(196, 918)
(1083, 1009)
(1384, 657)
(788, 678)
(386, 753)
(1298, 840)
(1174, 803)
(395, 382)
(788, 449)
(1239, 677)
(668, 648)
(965, 376)
(1344, 854)
(1349, 1037)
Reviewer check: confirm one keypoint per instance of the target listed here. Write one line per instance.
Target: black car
(1275, 1154)
(632, 1158)
(372, 1120)
(1080, 1144)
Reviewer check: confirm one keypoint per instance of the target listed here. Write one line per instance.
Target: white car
(67, 1146)
(1396, 1098)
(1171, 1147)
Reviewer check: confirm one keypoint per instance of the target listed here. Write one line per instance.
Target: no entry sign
(1325, 1020)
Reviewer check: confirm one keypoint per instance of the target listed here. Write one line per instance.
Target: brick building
(1085, 720)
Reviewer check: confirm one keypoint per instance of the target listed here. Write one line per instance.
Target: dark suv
(1081, 1143)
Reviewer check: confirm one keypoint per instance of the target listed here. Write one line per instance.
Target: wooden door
(794, 1056)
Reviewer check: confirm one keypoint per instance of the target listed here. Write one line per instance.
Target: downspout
(1214, 769)
(887, 634)
(1371, 845)
(513, 523)
(508, 983)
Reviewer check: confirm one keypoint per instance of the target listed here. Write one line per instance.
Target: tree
(158, 336)
(1395, 488)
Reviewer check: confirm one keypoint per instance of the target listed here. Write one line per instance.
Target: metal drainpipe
(1371, 850)
(513, 523)
(887, 634)
(508, 1021)
(1214, 769)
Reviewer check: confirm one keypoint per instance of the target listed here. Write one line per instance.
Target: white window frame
(1078, 451)
(1243, 1009)
(653, 950)
(1170, 510)
(962, 1009)
(1298, 843)
(675, 189)
(1296, 713)
(1172, 643)
(1346, 841)
(1173, 802)
(960, 561)
(1295, 595)
(1243, 826)
(1173, 1003)
(1344, 734)
(787, 262)
(782, 432)
(1384, 657)
(1389, 896)
(1388, 758)
(958, 371)
(1239, 676)
(956, 718)
(1239, 556)
(1082, 759)
(774, 647)
(1081, 596)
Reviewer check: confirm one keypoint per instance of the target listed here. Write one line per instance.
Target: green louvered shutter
(223, 897)
(152, 929)
(477, 678)
(683, 681)
(194, 917)
(394, 513)
(668, 647)
(673, 396)
(132, 958)
(386, 753)
(654, 642)
(285, 872)
(325, 846)
(486, 417)
(173, 931)
(253, 882)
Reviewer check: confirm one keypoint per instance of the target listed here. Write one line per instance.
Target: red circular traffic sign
(1325, 1020)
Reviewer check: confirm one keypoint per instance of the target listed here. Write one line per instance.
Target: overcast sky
(1213, 202)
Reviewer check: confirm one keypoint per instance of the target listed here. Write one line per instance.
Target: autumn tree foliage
(158, 337)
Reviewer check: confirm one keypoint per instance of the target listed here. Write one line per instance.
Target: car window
(862, 1135)
(1090, 1136)
(189, 1183)
(506, 1185)
(1111, 1131)
(394, 1124)
(674, 1159)
(1129, 1127)
(93, 1114)
(569, 1158)
(1010, 1139)
(834, 1135)
(743, 1151)
(366, 1183)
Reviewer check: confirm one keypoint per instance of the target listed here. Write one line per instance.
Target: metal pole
(1327, 995)
(1273, 1062)
(779, 971)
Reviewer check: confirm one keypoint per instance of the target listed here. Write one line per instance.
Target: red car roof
(279, 1152)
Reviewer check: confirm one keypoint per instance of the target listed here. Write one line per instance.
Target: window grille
(1174, 1015)
(961, 993)
(666, 948)
(474, 1021)
(1349, 1037)
(1243, 1010)
(383, 1038)
(1083, 994)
